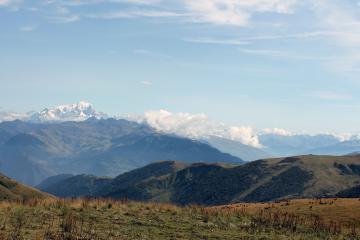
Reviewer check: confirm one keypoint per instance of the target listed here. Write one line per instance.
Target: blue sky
(264, 63)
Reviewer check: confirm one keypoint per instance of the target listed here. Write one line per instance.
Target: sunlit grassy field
(337, 210)
(107, 219)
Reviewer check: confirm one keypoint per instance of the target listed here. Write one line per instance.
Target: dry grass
(331, 212)
(108, 219)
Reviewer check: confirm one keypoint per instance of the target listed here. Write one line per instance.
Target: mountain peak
(84, 105)
(72, 112)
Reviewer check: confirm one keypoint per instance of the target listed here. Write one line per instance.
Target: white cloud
(339, 17)
(66, 19)
(235, 12)
(342, 18)
(344, 136)
(59, 12)
(198, 126)
(225, 12)
(70, 11)
(146, 83)
(244, 135)
(341, 137)
(277, 131)
(300, 35)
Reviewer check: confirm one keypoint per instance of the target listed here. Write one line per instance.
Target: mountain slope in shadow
(215, 184)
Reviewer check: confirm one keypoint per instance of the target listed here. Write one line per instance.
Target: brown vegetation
(108, 219)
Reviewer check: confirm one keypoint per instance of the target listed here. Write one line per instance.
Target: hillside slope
(214, 184)
(92, 186)
(12, 190)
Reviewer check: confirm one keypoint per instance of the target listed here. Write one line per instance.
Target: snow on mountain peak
(72, 112)
(85, 105)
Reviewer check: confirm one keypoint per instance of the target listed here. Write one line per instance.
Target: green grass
(106, 219)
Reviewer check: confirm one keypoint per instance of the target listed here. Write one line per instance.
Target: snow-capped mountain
(73, 112)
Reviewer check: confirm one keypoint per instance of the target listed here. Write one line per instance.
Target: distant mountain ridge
(342, 148)
(73, 112)
(216, 184)
(241, 142)
(30, 152)
(289, 145)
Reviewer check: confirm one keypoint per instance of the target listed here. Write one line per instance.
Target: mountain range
(30, 152)
(216, 184)
(266, 143)
(240, 142)
(77, 139)
(73, 112)
(289, 145)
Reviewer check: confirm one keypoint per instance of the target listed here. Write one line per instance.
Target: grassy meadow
(108, 219)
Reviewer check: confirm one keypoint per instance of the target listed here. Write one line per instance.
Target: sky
(287, 64)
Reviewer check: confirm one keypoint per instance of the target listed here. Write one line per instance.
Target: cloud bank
(198, 126)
